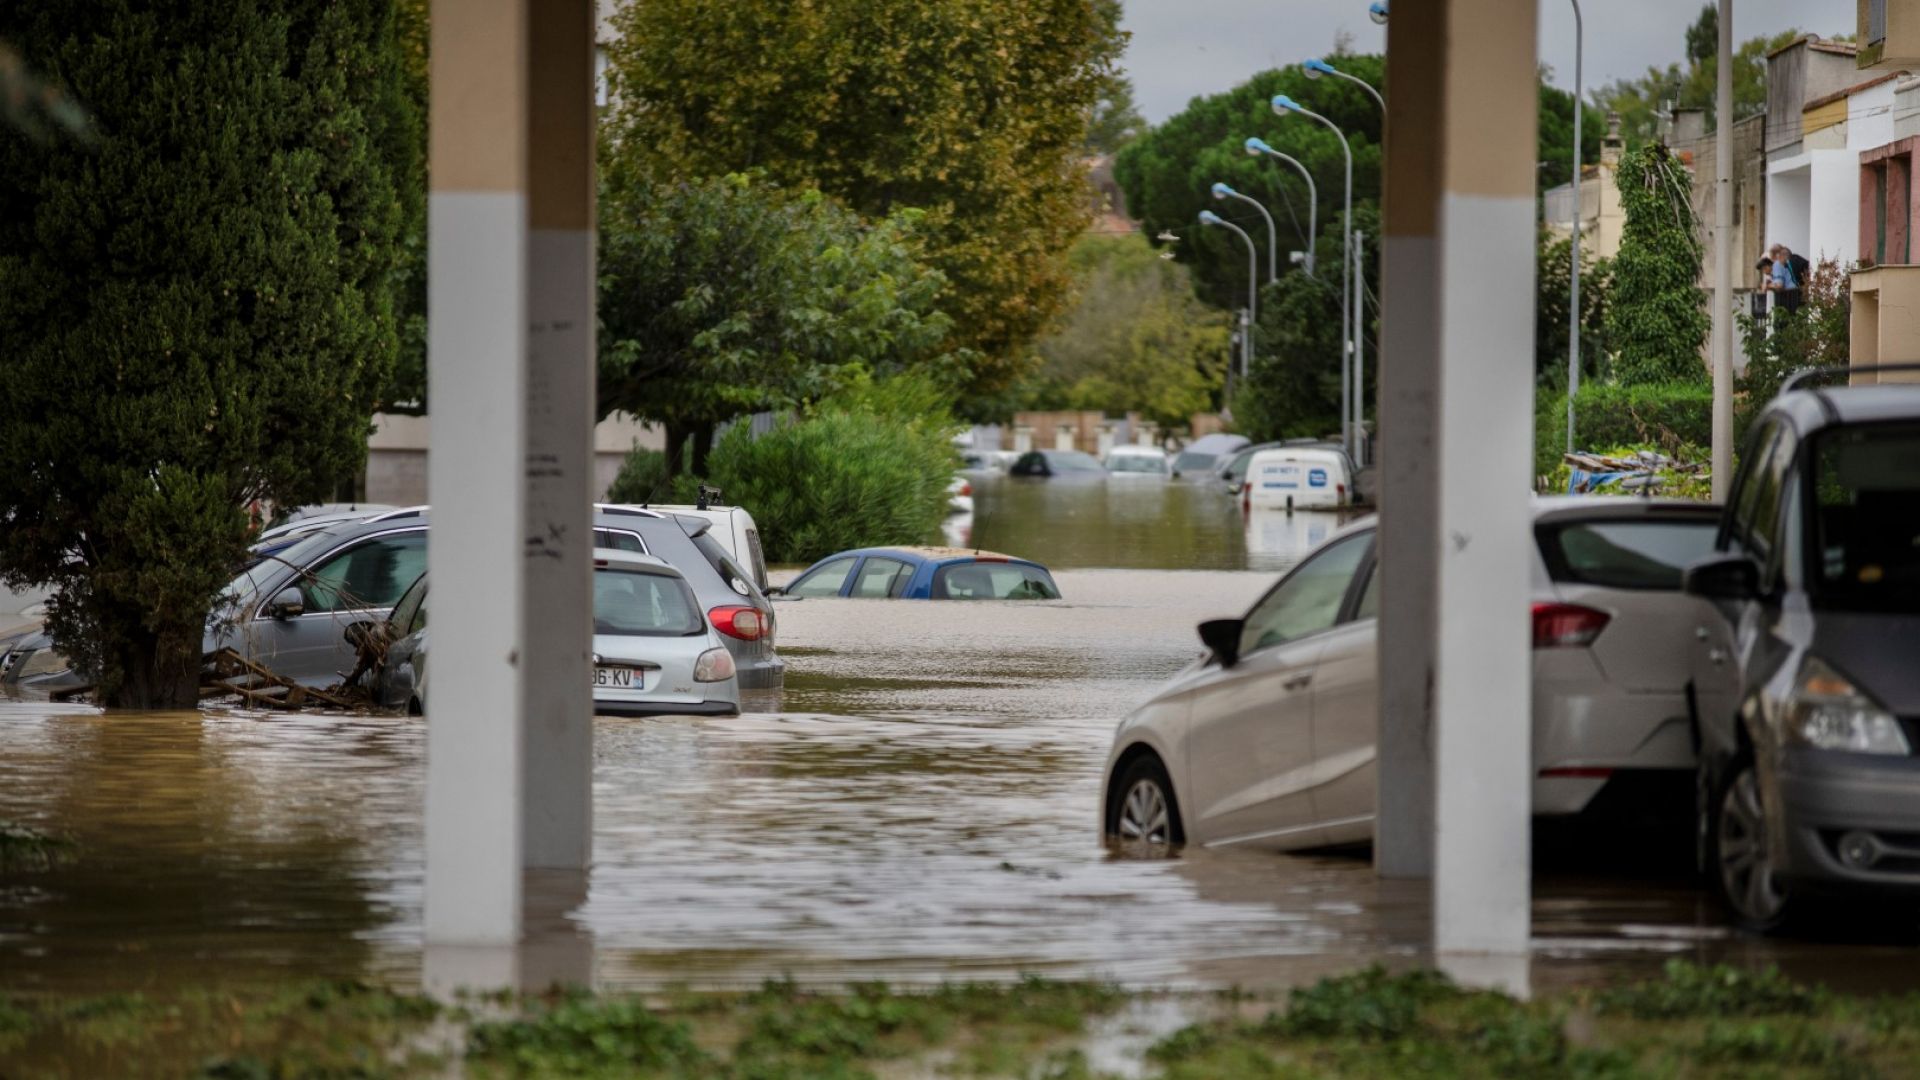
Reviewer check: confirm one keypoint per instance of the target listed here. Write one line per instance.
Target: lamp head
(1378, 12)
(1208, 217)
(1283, 104)
(1221, 191)
(1317, 67)
(1257, 145)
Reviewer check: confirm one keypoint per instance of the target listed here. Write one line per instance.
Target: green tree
(1556, 134)
(1116, 120)
(1554, 256)
(1656, 321)
(1640, 101)
(974, 111)
(1135, 338)
(199, 308)
(727, 296)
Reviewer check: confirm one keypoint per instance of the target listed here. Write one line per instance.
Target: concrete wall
(1885, 327)
(397, 455)
(1889, 201)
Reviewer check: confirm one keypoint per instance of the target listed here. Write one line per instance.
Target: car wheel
(1739, 859)
(1144, 820)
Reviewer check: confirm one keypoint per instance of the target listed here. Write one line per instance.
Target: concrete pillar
(510, 352)
(1460, 219)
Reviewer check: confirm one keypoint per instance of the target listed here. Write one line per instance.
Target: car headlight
(1829, 713)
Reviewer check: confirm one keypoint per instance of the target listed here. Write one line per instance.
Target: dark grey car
(1807, 686)
(289, 611)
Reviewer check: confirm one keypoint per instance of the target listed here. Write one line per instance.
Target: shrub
(643, 478)
(1667, 417)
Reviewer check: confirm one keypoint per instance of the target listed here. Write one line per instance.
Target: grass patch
(1689, 1021)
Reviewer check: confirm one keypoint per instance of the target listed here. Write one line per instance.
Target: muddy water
(919, 804)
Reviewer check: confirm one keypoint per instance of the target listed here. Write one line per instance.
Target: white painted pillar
(557, 743)
(476, 378)
(510, 310)
(1484, 466)
(1468, 226)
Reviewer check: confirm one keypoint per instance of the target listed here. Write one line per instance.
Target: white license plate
(619, 678)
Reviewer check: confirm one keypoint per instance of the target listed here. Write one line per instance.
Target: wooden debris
(227, 672)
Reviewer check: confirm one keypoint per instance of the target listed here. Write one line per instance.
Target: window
(1308, 600)
(759, 558)
(1030, 464)
(993, 581)
(410, 614)
(823, 580)
(1062, 461)
(618, 540)
(730, 572)
(1766, 495)
(370, 574)
(1746, 495)
(880, 578)
(1648, 554)
(1866, 523)
(636, 603)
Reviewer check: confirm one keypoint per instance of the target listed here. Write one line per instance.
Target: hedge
(1669, 417)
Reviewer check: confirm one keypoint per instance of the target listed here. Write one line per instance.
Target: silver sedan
(1268, 740)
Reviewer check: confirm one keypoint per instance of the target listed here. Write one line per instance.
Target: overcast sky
(1182, 49)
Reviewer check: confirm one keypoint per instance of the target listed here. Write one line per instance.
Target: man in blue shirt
(1788, 276)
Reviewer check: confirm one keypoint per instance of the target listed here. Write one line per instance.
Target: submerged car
(654, 652)
(288, 611)
(1070, 464)
(1804, 673)
(1269, 739)
(1202, 455)
(925, 573)
(1297, 478)
(1149, 461)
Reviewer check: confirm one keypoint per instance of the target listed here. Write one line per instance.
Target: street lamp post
(1208, 217)
(1257, 146)
(1573, 274)
(1222, 191)
(1318, 67)
(1282, 104)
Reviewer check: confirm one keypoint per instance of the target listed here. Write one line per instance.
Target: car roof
(1818, 407)
(1301, 451)
(931, 553)
(1583, 507)
(1219, 442)
(1134, 448)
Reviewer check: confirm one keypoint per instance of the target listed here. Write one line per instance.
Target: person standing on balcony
(1789, 274)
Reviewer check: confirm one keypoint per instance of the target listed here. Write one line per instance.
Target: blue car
(925, 573)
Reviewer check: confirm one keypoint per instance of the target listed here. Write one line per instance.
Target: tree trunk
(702, 447)
(676, 449)
(153, 669)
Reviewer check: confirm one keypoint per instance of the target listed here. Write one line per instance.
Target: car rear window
(1866, 521)
(730, 572)
(1193, 462)
(634, 603)
(1646, 553)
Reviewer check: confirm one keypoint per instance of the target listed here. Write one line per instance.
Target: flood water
(918, 805)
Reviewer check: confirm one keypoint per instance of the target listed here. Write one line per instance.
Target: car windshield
(1137, 463)
(1866, 522)
(1073, 461)
(637, 603)
(1644, 554)
(1194, 462)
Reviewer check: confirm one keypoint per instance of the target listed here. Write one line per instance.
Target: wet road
(918, 805)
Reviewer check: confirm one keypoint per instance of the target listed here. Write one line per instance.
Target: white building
(1821, 114)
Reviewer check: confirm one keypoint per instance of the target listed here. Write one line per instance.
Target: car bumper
(760, 674)
(1825, 795)
(1588, 734)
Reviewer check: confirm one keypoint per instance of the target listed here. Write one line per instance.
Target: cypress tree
(1656, 318)
(197, 306)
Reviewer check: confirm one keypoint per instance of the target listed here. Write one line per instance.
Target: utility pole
(1723, 261)
(1573, 291)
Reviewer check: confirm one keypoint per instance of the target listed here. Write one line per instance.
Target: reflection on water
(919, 804)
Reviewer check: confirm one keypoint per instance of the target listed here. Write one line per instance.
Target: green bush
(869, 466)
(643, 479)
(1668, 417)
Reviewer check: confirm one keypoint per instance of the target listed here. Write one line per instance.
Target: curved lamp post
(1257, 146)
(1349, 329)
(1208, 217)
(1222, 191)
(1318, 67)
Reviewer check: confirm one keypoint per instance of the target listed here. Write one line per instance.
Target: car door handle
(1296, 682)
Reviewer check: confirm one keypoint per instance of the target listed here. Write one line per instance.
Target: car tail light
(1560, 625)
(966, 489)
(745, 623)
(714, 665)
(1246, 495)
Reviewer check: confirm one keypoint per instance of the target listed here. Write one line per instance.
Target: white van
(1297, 478)
(734, 530)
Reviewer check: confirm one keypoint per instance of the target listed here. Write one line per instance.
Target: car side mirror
(287, 603)
(1222, 636)
(774, 590)
(1727, 577)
